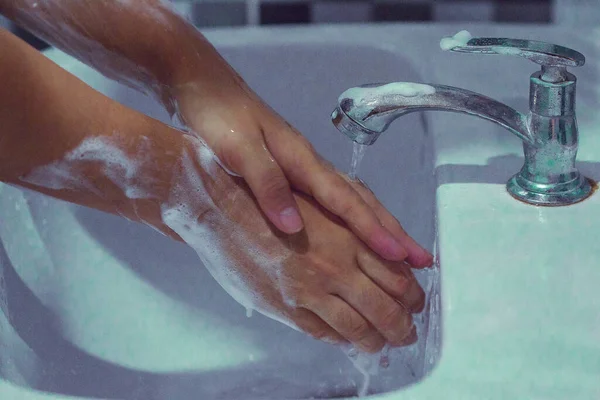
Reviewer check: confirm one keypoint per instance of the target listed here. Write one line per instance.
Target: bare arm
(145, 44)
(41, 126)
(142, 43)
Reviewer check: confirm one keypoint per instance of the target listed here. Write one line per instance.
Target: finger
(348, 323)
(267, 182)
(309, 173)
(311, 324)
(417, 257)
(411, 338)
(395, 278)
(391, 319)
(337, 196)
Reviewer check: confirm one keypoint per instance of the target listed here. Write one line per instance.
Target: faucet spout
(364, 112)
(549, 176)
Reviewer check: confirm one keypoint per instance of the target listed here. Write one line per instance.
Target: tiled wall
(267, 12)
(219, 13)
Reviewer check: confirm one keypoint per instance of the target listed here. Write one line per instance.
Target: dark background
(218, 13)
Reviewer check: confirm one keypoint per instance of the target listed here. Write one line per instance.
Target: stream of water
(357, 156)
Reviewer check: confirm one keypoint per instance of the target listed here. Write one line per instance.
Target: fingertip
(420, 258)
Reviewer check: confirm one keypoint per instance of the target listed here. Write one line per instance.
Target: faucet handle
(553, 58)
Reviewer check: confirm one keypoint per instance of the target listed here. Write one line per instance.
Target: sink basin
(102, 308)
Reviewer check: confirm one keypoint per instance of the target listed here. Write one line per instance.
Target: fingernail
(290, 219)
(419, 257)
(426, 259)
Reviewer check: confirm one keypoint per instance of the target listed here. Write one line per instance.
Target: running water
(367, 364)
(420, 358)
(357, 156)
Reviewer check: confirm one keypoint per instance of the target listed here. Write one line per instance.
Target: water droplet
(353, 352)
(384, 362)
(249, 312)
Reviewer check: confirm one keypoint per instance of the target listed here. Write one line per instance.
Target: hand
(274, 159)
(323, 281)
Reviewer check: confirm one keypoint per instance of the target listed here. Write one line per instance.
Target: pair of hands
(292, 238)
(337, 265)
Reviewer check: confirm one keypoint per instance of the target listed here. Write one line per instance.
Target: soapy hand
(323, 281)
(194, 81)
(253, 141)
(342, 277)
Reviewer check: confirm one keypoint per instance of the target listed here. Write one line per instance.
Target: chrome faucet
(548, 131)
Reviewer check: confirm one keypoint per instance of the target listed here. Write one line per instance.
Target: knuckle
(229, 153)
(320, 333)
(360, 331)
(336, 274)
(339, 204)
(346, 208)
(392, 318)
(273, 184)
(402, 285)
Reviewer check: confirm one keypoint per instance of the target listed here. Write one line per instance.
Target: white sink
(128, 314)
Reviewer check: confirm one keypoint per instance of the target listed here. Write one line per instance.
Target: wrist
(200, 81)
(186, 182)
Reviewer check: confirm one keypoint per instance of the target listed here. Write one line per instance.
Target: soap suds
(207, 157)
(211, 233)
(54, 21)
(459, 40)
(122, 170)
(406, 89)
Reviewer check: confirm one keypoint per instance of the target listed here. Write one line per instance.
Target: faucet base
(549, 194)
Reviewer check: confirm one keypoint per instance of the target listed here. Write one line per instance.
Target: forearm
(60, 137)
(142, 43)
